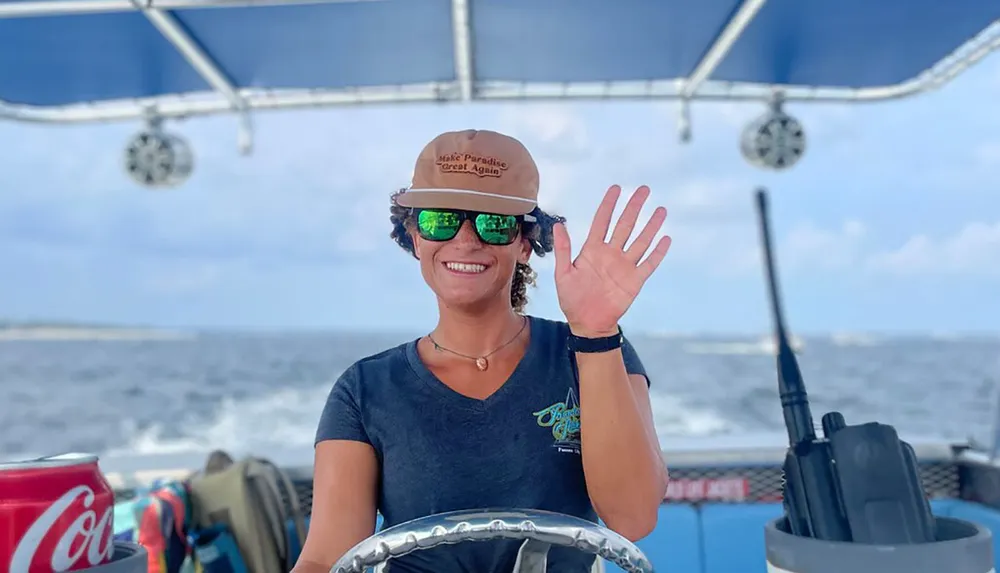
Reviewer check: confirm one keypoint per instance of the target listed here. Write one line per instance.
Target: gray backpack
(258, 504)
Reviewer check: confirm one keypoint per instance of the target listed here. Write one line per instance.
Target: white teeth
(466, 267)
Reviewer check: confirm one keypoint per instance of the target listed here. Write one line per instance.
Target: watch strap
(594, 345)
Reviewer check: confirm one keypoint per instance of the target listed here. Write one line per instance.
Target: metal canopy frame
(228, 99)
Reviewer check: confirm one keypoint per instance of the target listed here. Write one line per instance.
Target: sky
(890, 223)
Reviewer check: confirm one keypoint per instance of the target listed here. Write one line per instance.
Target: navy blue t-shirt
(441, 451)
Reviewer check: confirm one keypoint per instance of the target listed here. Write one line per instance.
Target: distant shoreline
(12, 333)
(69, 331)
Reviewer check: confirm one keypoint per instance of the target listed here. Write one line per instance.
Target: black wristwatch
(593, 345)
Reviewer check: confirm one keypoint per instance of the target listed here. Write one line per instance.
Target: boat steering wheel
(539, 529)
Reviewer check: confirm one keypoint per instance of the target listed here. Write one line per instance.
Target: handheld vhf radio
(857, 483)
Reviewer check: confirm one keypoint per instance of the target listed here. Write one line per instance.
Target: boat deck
(723, 490)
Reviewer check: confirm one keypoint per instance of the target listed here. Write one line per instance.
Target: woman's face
(465, 272)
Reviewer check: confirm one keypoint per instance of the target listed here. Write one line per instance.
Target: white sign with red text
(708, 489)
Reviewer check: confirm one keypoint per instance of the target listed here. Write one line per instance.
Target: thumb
(562, 249)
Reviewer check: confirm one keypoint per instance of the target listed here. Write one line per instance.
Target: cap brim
(465, 200)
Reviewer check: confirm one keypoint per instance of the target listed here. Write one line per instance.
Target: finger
(654, 259)
(561, 248)
(641, 243)
(602, 218)
(626, 223)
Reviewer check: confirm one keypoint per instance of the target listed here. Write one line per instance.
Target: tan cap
(476, 171)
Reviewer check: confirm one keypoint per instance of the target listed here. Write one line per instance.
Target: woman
(495, 408)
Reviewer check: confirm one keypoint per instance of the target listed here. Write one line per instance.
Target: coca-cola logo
(87, 536)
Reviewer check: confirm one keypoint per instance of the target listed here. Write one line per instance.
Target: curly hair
(538, 233)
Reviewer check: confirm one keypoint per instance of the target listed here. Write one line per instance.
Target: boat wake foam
(288, 417)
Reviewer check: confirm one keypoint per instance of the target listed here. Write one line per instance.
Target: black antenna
(791, 388)
(830, 492)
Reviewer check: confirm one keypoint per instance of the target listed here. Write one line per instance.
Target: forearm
(622, 463)
(309, 567)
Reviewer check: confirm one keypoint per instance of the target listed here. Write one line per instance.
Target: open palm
(597, 288)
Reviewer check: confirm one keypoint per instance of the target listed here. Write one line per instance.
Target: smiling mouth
(465, 268)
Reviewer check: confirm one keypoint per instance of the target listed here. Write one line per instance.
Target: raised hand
(598, 286)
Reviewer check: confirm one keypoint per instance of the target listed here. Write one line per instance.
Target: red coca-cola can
(56, 514)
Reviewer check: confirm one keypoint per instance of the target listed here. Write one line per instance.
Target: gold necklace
(482, 362)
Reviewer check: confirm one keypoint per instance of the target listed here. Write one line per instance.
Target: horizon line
(81, 325)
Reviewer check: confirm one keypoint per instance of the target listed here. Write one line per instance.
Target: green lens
(496, 229)
(438, 225)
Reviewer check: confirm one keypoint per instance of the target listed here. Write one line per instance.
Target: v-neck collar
(461, 400)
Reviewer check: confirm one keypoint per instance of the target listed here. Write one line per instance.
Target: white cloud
(179, 277)
(987, 154)
(733, 249)
(973, 250)
(709, 199)
(549, 124)
(808, 246)
(710, 220)
(558, 179)
(557, 138)
(706, 215)
(307, 212)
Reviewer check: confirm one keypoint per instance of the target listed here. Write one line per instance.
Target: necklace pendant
(482, 363)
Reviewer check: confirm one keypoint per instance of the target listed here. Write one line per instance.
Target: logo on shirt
(564, 419)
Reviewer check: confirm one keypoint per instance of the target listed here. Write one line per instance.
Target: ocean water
(249, 393)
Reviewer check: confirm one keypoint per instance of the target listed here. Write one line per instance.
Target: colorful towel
(158, 520)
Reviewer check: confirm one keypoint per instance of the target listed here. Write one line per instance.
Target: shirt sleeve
(341, 418)
(633, 365)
